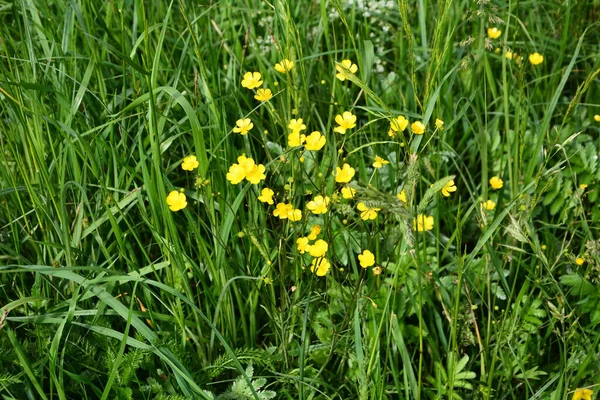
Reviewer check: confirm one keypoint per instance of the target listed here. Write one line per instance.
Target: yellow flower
(236, 174)
(263, 95)
(266, 196)
(243, 126)
(380, 162)
(345, 121)
(176, 200)
(417, 127)
(494, 33)
(536, 58)
(366, 259)
(579, 261)
(344, 68)
(583, 394)
(597, 118)
(295, 214)
(252, 80)
(256, 174)
(348, 192)
(367, 213)
(296, 125)
(423, 223)
(189, 163)
(318, 248)
(439, 124)
(284, 66)
(282, 210)
(315, 141)
(509, 54)
(398, 124)
(302, 245)
(321, 264)
(377, 271)
(448, 188)
(402, 196)
(318, 205)
(344, 174)
(489, 205)
(314, 232)
(496, 182)
(583, 186)
(296, 139)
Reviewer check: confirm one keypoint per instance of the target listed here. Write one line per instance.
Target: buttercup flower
(380, 162)
(236, 174)
(348, 192)
(597, 118)
(252, 80)
(256, 174)
(263, 95)
(176, 200)
(583, 394)
(496, 182)
(318, 248)
(345, 121)
(266, 196)
(579, 261)
(583, 186)
(314, 232)
(296, 125)
(318, 205)
(377, 271)
(489, 205)
(320, 264)
(423, 223)
(509, 54)
(366, 259)
(402, 196)
(448, 188)
(397, 124)
(439, 124)
(536, 58)
(417, 127)
(367, 213)
(494, 33)
(345, 68)
(284, 66)
(302, 245)
(189, 163)
(315, 141)
(295, 215)
(282, 210)
(243, 126)
(344, 174)
(296, 139)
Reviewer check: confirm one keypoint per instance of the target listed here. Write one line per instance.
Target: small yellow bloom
(348, 192)
(296, 139)
(315, 141)
(256, 174)
(377, 271)
(236, 174)
(284, 66)
(263, 95)
(366, 259)
(314, 232)
(302, 245)
(597, 118)
(176, 200)
(345, 68)
(318, 248)
(367, 213)
(417, 127)
(295, 215)
(496, 182)
(544, 247)
(489, 205)
(402, 196)
(380, 162)
(583, 394)
(243, 126)
(536, 58)
(509, 55)
(583, 186)
(296, 125)
(345, 121)
(318, 205)
(398, 124)
(439, 124)
(494, 33)
(423, 223)
(282, 210)
(579, 261)
(321, 264)
(189, 163)
(252, 80)
(448, 188)
(266, 196)
(344, 174)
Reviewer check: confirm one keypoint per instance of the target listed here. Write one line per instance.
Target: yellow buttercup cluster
(246, 169)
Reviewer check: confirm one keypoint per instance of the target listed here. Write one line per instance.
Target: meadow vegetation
(312, 199)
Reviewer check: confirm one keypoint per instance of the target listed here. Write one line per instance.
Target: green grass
(106, 293)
